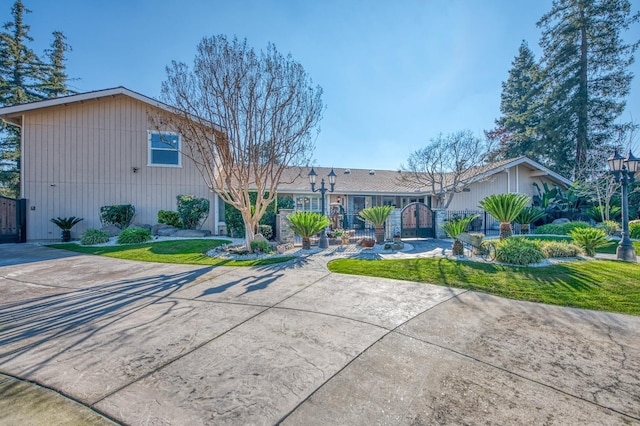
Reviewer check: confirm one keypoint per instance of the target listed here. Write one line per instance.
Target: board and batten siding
(515, 179)
(81, 156)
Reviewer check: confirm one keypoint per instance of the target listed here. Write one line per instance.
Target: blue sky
(394, 73)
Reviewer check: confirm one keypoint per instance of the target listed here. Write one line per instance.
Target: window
(306, 204)
(164, 149)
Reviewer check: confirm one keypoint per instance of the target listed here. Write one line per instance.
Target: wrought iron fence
(351, 222)
(484, 222)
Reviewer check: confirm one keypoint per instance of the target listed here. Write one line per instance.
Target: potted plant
(368, 242)
(378, 216)
(65, 224)
(527, 216)
(342, 234)
(307, 224)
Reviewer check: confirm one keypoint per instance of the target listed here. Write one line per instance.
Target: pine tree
(516, 129)
(20, 67)
(585, 65)
(24, 77)
(56, 79)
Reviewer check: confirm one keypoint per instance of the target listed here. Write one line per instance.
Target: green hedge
(235, 225)
(120, 215)
(634, 229)
(561, 229)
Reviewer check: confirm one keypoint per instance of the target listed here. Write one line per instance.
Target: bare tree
(594, 181)
(447, 165)
(262, 108)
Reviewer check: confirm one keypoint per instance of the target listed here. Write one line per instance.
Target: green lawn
(590, 284)
(188, 251)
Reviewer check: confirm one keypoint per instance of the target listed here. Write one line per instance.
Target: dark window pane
(164, 157)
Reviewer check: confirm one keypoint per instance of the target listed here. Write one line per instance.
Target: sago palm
(505, 208)
(589, 239)
(528, 215)
(378, 216)
(455, 227)
(307, 224)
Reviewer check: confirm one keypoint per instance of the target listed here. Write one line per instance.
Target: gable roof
(13, 114)
(388, 182)
(487, 170)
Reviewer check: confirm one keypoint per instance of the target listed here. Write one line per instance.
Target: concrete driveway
(148, 343)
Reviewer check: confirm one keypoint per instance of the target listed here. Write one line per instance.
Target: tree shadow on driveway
(26, 324)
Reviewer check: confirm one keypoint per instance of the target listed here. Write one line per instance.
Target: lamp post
(624, 169)
(324, 242)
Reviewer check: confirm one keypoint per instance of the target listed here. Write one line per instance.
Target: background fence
(484, 222)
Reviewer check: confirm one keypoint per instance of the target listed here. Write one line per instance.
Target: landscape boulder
(163, 230)
(192, 233)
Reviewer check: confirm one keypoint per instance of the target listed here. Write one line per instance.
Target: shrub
(634, 229)
(266, 231)
(505, 208)
(233, 218)
(307, 224)
(261, 246)
(93, 236)
(559, 249)
(66, 223)
(170, 218)
(597, 212)
(134, 236)
(119, 215)
(561, 229)
(519, 251)
(589, 239)
(378, 216)
(455, 227)
(192, 210)
(527, 216)
(608, 226)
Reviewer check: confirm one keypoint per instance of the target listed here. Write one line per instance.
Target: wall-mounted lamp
(135, 169)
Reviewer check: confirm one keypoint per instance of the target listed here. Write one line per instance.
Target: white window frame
(150, 149)
(314, 201)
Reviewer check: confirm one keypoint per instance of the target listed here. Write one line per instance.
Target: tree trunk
(582, 145)
(379, 234)
(458, 248)
(524, 228)
(249, 229)
(306, 244)
(505, 230)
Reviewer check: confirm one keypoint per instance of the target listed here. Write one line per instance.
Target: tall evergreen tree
(56, 78)
(516, 130)
(586, 76)
(20, 67)
(24, 77)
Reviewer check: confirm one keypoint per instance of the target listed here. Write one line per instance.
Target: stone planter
(368, 243)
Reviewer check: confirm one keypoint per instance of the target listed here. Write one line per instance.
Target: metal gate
(417, 221)
(13, 220)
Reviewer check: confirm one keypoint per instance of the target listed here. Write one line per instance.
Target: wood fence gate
(417, 221)
(13, 220)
